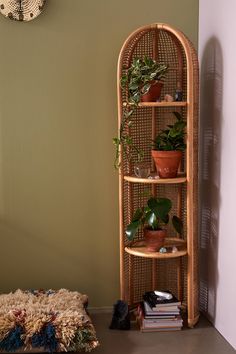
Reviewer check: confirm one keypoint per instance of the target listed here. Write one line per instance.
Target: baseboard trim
(104, 309)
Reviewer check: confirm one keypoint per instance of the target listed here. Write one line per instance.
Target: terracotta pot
(154, 93)
(167, 162)
(155, 239)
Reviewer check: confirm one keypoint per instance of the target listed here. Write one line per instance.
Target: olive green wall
(58, 114)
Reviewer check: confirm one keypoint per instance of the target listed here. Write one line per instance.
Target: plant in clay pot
(143, 81)
(168, 148)
(151, 218)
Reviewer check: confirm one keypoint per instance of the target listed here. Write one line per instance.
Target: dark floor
(203, 339)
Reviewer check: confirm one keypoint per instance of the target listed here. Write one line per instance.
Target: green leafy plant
(142, 74)
(137, 80)
(153, 216)
(172, 138)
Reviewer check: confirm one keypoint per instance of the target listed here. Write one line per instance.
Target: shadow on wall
(210, 172)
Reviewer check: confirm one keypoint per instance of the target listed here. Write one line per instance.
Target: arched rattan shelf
(138, 271)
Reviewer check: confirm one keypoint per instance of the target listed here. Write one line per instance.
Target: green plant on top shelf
(142, 75)
(153, 216)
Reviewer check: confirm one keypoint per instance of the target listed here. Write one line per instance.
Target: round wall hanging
(21, 10)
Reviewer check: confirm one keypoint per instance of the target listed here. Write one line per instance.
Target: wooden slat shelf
(134, 179)
(163, 104)
(160, 104)
(139, 249)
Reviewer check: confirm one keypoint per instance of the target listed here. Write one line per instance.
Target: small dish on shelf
(142, 169)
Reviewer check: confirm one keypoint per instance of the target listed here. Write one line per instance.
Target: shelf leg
(193, 321)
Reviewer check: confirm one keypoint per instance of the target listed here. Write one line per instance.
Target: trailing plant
(153, 216)
(141, 75)
(172, 138)
(137, 80)
(125, 139)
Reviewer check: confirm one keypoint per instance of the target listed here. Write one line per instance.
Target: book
(148, 311)
(160, 329)
(175, 322)
(157, 322)
(156, 301)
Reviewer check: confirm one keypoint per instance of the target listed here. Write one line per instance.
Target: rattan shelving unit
(141, 270)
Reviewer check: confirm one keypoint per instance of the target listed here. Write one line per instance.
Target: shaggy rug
(55, 321)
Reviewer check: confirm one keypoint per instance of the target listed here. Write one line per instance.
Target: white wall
(217, 54)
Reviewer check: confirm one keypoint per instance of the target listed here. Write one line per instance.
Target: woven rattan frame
(179, 274)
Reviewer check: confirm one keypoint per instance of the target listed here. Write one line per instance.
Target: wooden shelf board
(180, 179)
(160, 104)
(163, 104)
(139, 249)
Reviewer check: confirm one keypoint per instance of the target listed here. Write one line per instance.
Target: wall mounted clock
(21, 10)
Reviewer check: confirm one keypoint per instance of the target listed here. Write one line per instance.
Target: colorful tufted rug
(54, 321)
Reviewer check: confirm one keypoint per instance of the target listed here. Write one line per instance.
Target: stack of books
(157, 313)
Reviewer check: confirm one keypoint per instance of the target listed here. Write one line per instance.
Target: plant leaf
(166, 219)
(138, 215)
(145, 88)
(162, 208)
(152, 203)
(177, 223)
(131, 229)
(116, 141)
(178, 115)
(129, 113)
(151, 220)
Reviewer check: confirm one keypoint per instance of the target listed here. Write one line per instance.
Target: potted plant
(168, 148)
(143, 80)
(152, 217)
